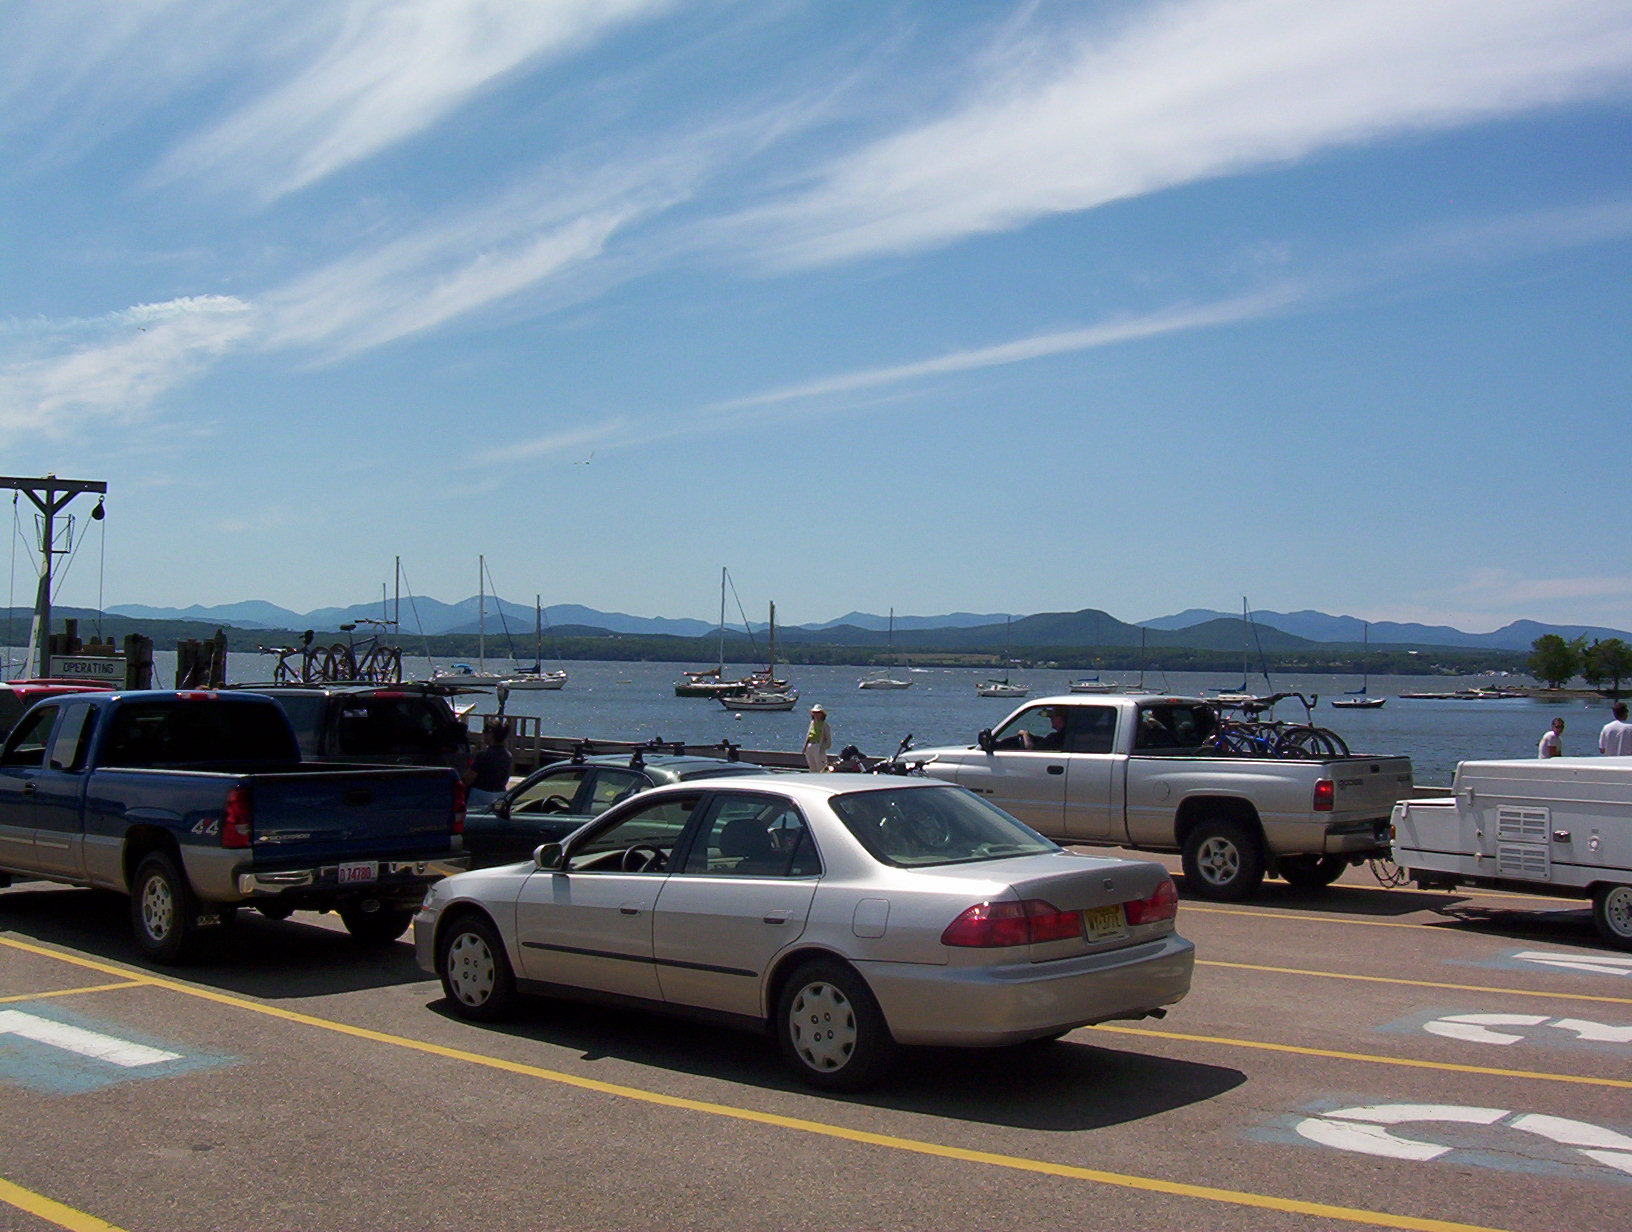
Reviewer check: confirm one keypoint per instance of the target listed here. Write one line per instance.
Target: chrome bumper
(327, 876)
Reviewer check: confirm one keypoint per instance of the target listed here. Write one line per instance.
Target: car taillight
(1162, 905)
(236, 819)
(459, 796)
(1325, 795)
(994, 925)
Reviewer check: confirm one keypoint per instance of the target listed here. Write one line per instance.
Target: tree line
(1555, 662)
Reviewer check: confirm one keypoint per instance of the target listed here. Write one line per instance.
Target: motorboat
(761, 699)
(1093, 684)
(1002, 688)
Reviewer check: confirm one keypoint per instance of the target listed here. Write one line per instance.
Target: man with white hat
(818, 739)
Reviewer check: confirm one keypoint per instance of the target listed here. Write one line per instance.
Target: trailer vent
(1521, 825)
(1523, 860)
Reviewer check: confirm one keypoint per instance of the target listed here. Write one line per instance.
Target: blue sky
(932, 305)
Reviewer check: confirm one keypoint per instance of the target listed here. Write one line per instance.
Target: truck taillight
(237, 827)
(458, 807)
(1325, 795)
(1162, 905)
(993, 925)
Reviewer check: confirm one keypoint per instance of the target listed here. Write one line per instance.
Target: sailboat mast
(722, 623)
(481, 613)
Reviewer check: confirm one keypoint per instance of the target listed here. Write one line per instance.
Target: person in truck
(1052, 739)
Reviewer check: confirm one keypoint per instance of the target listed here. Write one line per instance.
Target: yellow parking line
(73, 992)
(1206, 1193)
(1303, 917)
(1408, 1063)
(52, 1211)
(1387, 979)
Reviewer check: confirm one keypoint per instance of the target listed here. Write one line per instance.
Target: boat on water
(1356, 699)
(883, 679)
(465, 673)
(761, 699)
(1093, 684)
(1002, 688)
(533, 676)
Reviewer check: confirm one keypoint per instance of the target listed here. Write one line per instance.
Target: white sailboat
(1003, 688)
(465, 673)
(534, 676)
(1356, 699)
(882, 679)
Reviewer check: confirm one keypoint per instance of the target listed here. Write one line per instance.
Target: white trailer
(1560, 826)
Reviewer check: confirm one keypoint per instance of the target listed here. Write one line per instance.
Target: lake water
(635, 701)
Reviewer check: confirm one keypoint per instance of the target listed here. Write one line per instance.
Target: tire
(161, 909)
(475, 970)
(1312, 872)
(1612, 915)
(1310, 742)
(830, 1029)
(1222, 860)
(379, 926)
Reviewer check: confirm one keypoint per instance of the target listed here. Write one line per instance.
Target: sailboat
(464, 673)
(763, 690)
(533, 675)
(1356, 699)
(883, 679)
(1002, 688)
(1236, 697)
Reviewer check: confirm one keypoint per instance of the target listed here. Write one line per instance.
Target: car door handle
(30, 788)
(631, 908)
(1561, 836)
(1056, 769)
(777, 917)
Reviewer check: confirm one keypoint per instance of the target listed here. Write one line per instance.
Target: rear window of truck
(146, 735)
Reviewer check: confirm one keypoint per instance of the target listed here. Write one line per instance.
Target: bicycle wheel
(1310, 742)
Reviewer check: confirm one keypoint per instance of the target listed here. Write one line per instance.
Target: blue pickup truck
(197, 803)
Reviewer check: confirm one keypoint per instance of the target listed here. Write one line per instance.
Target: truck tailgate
(1369, 786)
(351, 814)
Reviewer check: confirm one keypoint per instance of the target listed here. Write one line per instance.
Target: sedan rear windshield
(921, 827)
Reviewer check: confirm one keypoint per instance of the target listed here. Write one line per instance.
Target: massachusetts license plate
(369, 870)
(1101, 923)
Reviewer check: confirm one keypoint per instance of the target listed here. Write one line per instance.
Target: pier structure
(531, 748)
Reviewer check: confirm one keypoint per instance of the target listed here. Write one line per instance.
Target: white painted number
(84, 1043)
(1366, 1131)
(1480, 1028)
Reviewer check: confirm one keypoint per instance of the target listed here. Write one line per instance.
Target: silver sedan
(848, 914)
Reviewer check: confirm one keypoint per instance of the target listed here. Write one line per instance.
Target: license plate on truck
(1103, 923)
(363, 870)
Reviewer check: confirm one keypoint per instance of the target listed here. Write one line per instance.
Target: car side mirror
(984, 739)
(548, 857)
(499, 808)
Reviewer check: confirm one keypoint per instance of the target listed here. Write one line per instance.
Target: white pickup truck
(1133, 772)
(1560, 826)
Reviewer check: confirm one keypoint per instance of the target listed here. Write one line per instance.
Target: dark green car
(552, 802)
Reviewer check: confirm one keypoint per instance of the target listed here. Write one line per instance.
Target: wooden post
(138, 661)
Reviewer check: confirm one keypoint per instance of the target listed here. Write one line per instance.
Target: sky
(932, 305)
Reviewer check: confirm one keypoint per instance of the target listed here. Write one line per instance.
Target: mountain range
(1194, 627)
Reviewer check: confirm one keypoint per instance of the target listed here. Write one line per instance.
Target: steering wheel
(555, 804)
(641, 858)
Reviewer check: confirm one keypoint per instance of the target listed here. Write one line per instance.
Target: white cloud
(1192, 91)
(369, 74)
(115, 367)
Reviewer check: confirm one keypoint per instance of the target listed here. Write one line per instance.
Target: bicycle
(367, 662)
(1256, 737)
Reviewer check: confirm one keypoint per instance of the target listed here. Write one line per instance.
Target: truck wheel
(375, 922)
(1222, 861)
(1312, 872)
(161, 909)
(475, 971)
(1612, 914)
(830, 1028)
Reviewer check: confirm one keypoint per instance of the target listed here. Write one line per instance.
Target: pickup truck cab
(1131, 771)
(196, 803)
(1559, 826)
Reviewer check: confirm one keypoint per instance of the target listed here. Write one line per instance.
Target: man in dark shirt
(489, 772)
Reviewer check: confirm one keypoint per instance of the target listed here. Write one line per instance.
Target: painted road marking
(1592, 964)
(1368, 1131)
(914, 1146)
(58, 1053)
(52, 1211)
(1436, 984)
(92, 1044)
(1481, 1028)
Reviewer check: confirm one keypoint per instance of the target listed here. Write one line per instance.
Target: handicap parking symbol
(55, 1052)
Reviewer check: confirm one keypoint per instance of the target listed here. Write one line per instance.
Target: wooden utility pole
(50, 495)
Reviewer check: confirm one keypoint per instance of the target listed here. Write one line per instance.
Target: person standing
(1552, 742)
(818, 739)
(489, 771)
(1616, 738)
